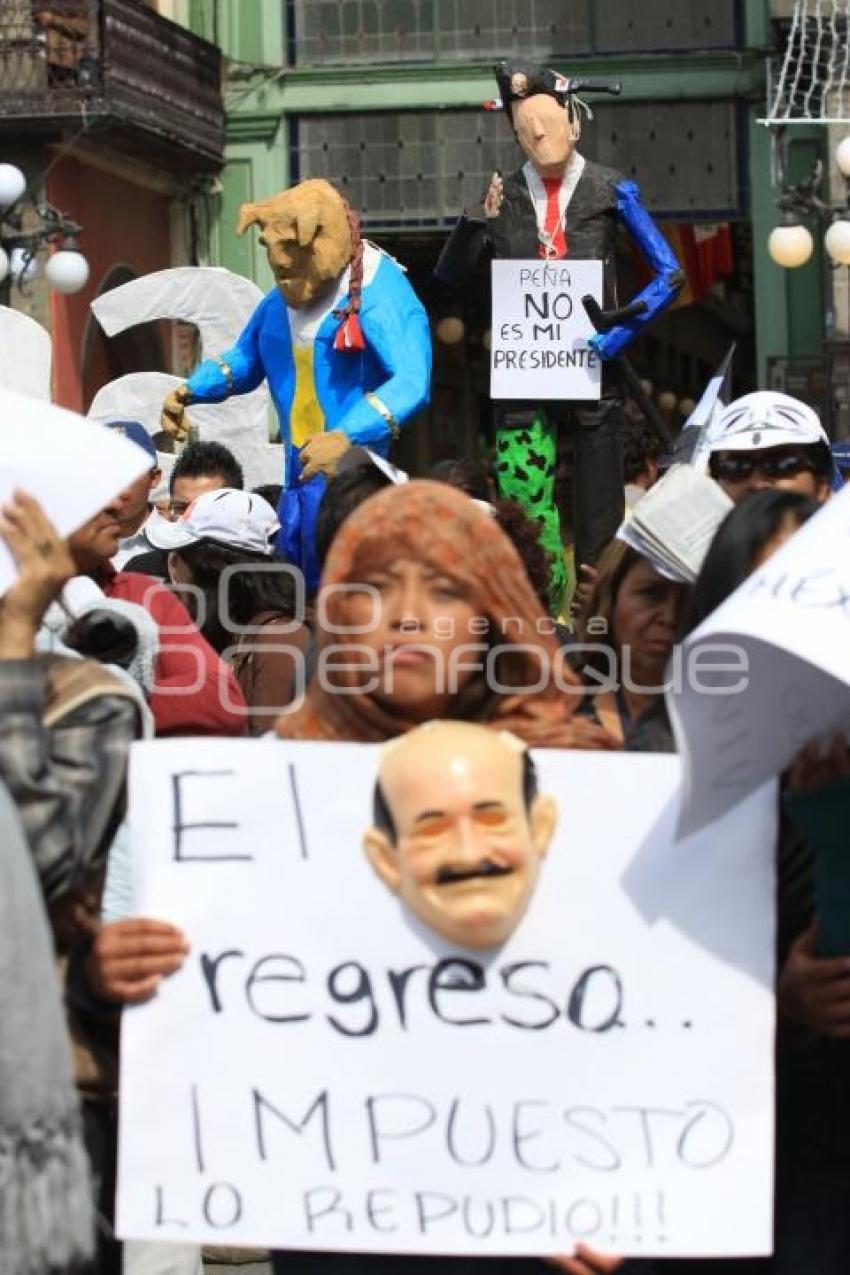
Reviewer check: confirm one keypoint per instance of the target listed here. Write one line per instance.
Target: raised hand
(44, 566)
(495, 196)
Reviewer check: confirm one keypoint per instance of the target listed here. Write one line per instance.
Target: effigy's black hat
(517, 81)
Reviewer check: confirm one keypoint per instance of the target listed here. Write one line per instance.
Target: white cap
(765, 419)
(237, 519)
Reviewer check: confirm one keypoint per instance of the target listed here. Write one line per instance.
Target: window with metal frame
(420, 168)
(340, 32)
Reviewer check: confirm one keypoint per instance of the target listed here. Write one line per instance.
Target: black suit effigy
(595, 428)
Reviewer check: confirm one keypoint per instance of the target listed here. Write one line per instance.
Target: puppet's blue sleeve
(667, 274)
(396, 329)
(209, 383)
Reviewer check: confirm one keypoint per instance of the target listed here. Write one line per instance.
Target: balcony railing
(119, 62)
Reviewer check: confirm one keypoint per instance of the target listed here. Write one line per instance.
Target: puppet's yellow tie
(307, 417)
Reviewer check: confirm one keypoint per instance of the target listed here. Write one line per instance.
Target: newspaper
(675, 522)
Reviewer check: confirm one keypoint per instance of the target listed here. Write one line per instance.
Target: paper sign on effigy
(539, 330)
(768, 671)
(325, 1074)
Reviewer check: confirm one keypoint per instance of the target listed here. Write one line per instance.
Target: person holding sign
(561, 206)
(460, 829)
(439, 579)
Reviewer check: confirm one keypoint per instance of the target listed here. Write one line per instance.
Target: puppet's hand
(495, 196)
(173, 417)
(322, 454)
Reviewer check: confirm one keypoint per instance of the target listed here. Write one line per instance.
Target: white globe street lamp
(21, 249)
(790, 246)
(842, 157)
(13, 183)
(837, 241)
(67, 270)
(451, 330)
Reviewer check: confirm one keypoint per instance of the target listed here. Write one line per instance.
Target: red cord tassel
(350, 335)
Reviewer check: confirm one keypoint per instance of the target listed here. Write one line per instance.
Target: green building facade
(384, 97)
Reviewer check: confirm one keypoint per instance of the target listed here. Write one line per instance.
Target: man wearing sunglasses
(768, 439)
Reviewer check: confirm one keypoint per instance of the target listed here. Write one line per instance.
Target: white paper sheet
(69, 464)
(26, 354)
(784, 638)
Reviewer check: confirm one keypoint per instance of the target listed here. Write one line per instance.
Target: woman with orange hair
(426, 611)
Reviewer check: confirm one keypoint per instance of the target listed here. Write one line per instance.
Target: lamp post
(66, 269)
(792, 244)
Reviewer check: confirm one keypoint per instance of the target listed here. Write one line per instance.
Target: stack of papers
(675, 522)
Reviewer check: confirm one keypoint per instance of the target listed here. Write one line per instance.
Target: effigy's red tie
(553, 229)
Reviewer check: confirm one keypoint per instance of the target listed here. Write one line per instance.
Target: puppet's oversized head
(542, 114)
(307, 236)
(460, 830)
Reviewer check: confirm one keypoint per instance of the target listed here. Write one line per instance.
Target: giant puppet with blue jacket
(342, 340)
(561, 205)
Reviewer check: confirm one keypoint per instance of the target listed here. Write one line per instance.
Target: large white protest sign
(768, 671)
(71, 466)
(324, 1074)
(539, 330)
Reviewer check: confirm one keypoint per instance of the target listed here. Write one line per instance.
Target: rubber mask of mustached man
(342, 340)
(460, 830)
(560, 205)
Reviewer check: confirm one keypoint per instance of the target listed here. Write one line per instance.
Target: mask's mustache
(486, 868)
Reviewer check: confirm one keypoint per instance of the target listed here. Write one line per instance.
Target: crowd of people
(177, 616)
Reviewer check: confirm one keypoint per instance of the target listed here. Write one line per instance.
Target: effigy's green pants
(525, 472)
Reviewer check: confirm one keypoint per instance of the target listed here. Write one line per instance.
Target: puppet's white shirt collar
(537, 190)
